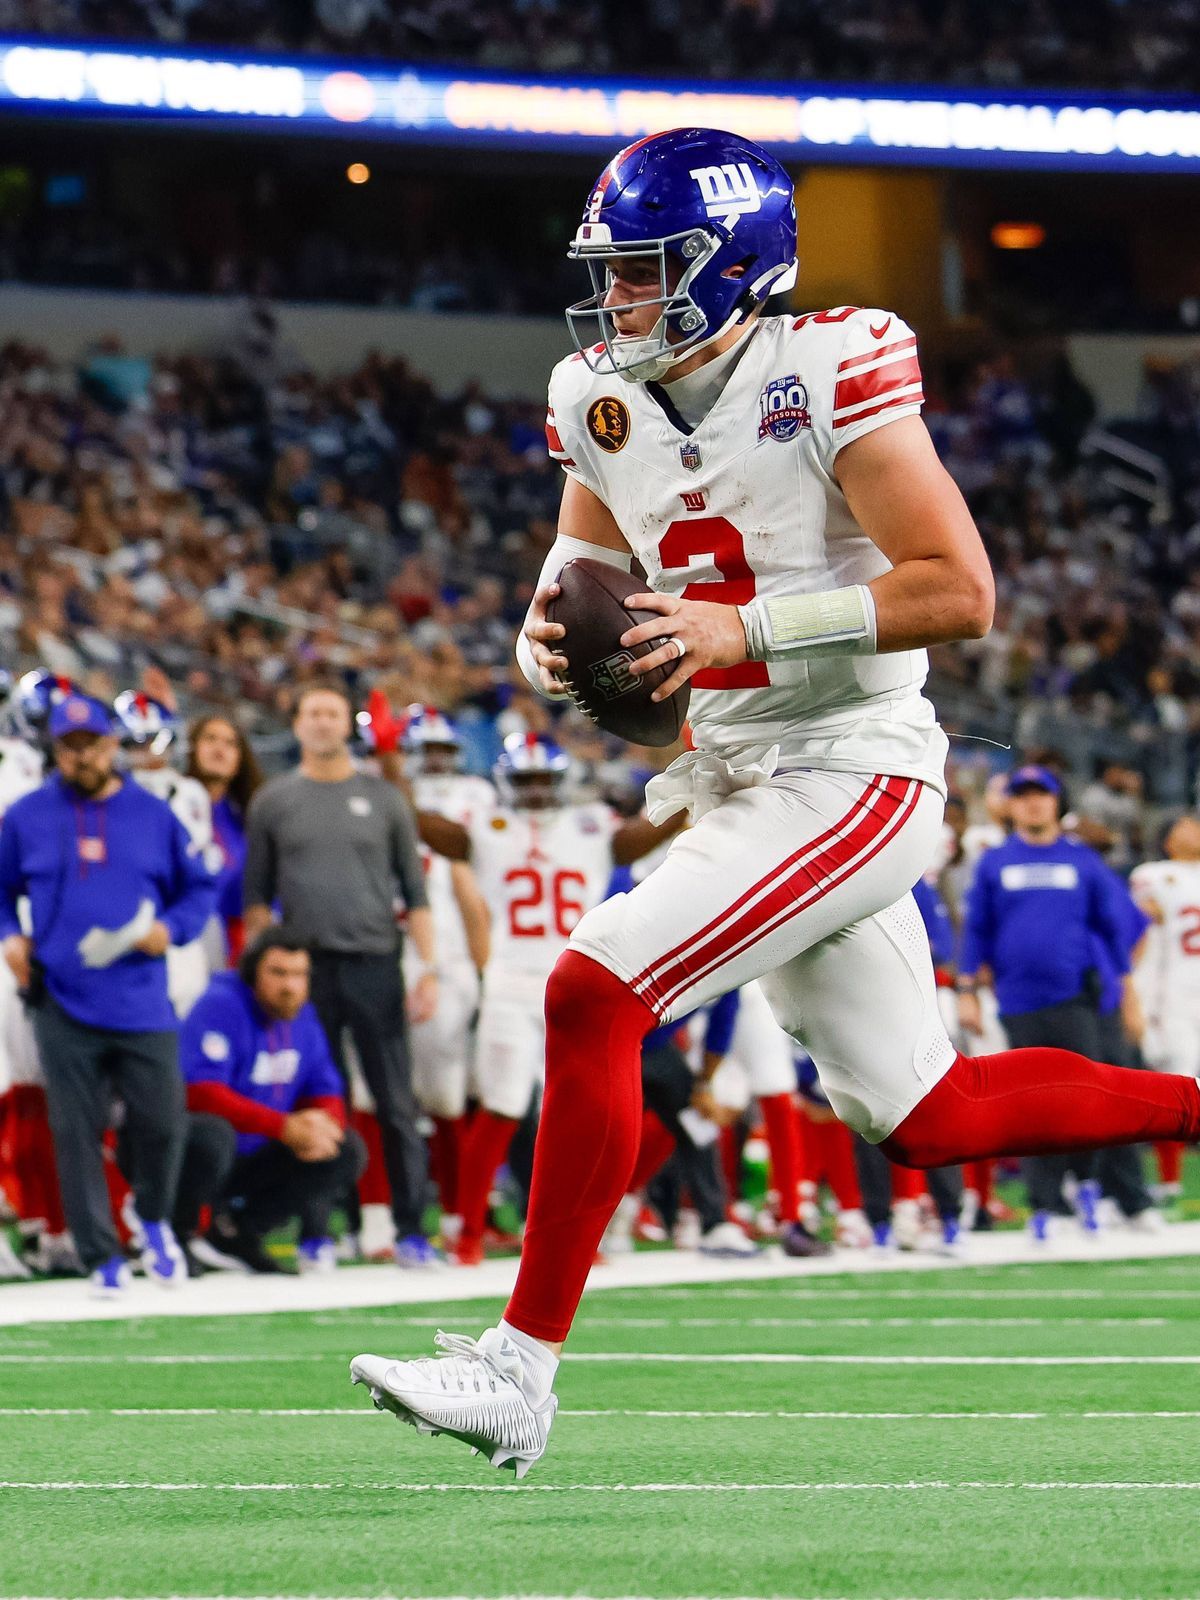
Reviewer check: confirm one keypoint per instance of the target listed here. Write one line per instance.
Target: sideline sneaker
(471, 1392)
(415, 1253)
(726, 1240)
(163, 1261)
(1087, 1205)
(797, 1241)
(316, 1255)
(11, 1265)
(111, 1279)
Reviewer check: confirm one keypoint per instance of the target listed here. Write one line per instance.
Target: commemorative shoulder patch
(608, 423)
(783, 409)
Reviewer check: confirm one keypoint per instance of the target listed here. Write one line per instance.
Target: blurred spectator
(220, 758)
(1114, 801)
(336, 847)
(1037, 908)
(255, 1057)
(89, 847)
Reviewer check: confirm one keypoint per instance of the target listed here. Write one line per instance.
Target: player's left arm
(940, 588)
(640, 837)
(473, 908)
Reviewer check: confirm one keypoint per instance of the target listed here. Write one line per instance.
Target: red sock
(783, 1141)
(979, 1175)
(1037, 1102)
(731, 1163)
(484, 1148)
(31, 1159)
(373, 1187)
(587, 1143)
(446, 1149)
(1170, 1160)
(655, 1148)
(834, 1149)
(907, 1183)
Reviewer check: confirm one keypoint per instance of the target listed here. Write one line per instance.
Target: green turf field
(990, 1432)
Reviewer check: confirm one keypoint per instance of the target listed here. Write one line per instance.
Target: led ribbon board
(800, 122)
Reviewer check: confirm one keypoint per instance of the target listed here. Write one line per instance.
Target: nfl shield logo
(689, 454)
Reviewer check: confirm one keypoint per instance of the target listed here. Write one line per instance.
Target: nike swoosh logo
(878, 332)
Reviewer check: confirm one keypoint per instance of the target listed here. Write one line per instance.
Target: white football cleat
(726, 1240)
(472, 1392)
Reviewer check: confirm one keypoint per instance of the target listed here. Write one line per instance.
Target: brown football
(592, 609)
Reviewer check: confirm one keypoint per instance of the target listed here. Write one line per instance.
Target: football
(591, 607)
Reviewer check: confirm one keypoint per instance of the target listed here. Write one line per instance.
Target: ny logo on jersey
(693, 499)
(612, 677)
(728, 192)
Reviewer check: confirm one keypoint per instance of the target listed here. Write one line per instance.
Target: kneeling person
(254, 1054)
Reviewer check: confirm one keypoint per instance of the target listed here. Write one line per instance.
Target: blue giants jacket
(87, 864)
(1034, 914)
(229, 1042)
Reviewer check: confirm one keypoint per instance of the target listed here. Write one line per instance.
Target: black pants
(1077, 1025)
(1120, 1169)
(85, 1068)
(364, 995)
(667, 1085)
(266, 1188)
(271, 1186)
(875, 1181)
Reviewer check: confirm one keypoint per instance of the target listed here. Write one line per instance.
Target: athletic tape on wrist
(838, 622)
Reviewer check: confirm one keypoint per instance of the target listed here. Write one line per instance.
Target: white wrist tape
(564, 549)
(839, 622)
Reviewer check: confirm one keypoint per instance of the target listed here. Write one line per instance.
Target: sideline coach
(336, 847)
(112, 881)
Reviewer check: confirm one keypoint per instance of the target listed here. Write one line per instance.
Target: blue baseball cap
(79, 713)
(1032, 778)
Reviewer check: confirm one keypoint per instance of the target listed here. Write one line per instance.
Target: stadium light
(810, 122)
(358, 172)
(1018, 235)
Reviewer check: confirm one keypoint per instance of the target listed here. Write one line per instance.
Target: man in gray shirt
(337, 847)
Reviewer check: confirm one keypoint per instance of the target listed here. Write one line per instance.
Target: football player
(803, 545)
(540, 864)
(148, 729)
(441, 1047)
(1167, 971)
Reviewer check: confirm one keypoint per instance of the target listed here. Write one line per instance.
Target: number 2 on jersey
(566, 912)
(717, 538)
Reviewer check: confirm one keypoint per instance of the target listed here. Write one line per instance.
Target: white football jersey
(468, 800)
(746, 504)
(188, 799)
(21, 771)
(1169, 971)
(539, 871)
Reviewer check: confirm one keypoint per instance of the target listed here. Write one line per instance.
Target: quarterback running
(803, 545)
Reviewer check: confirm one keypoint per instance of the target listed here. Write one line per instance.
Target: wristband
(836, 622)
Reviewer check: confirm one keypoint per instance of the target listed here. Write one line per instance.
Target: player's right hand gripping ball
(591, 608)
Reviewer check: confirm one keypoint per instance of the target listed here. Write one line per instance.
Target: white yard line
(231, 1294)
(363, 1411)
(586, 1322)
(662, 1357)
(134, 1486)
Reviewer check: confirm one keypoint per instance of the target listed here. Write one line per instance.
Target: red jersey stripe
(875, 384)
(915, 399)
(877, 355)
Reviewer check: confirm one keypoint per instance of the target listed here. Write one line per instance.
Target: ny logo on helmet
(728, 192)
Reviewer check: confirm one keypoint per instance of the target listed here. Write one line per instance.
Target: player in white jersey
(148, 728)
(804, 546)
(1168, 967)
(540, 865)
(441, 1047)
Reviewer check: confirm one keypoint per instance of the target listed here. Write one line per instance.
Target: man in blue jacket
(112, 882)
(1039, 909)
(254, 1054)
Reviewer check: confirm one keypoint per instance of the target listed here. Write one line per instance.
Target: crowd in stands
(242, 526)
(1107, 44)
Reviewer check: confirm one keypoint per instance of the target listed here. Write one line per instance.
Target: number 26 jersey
(746, 504)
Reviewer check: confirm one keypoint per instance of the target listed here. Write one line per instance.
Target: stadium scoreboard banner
(807, 122)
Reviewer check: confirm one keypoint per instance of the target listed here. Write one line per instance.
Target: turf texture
(989, 1432)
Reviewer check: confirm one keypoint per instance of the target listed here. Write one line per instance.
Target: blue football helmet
(530, 771)
(703, 203)
(144, 723)
(29, 701)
